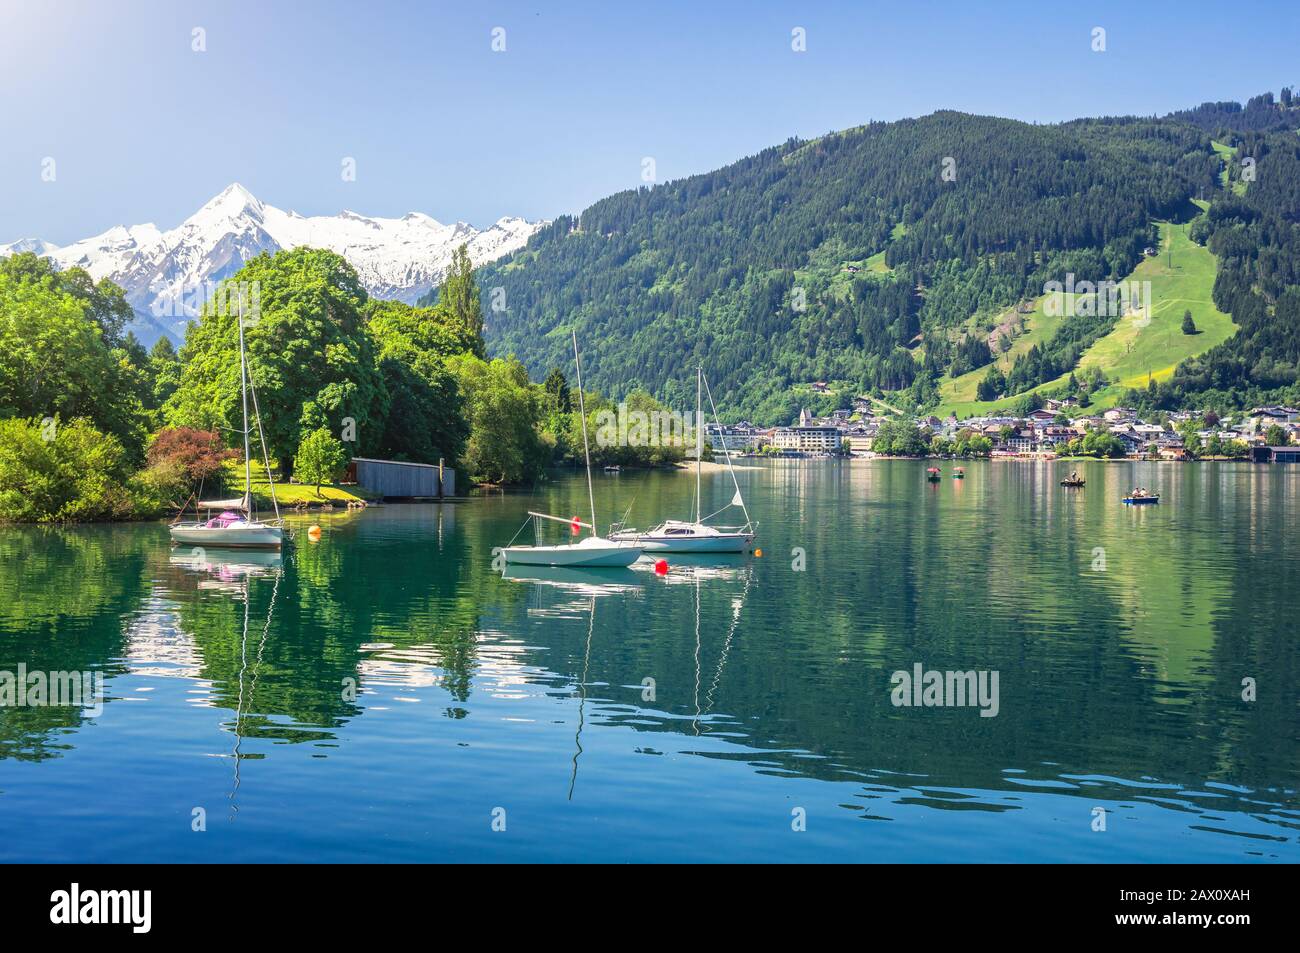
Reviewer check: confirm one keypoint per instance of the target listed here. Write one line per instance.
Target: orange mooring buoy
(313, 532)
(758, 554)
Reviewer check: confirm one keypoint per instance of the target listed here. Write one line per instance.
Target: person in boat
(1074, 476)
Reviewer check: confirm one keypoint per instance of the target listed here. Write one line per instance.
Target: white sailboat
(696, 536)
(592, 551)
(237, 525)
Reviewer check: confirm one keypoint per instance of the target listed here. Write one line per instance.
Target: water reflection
(1120, 686)
(62, 594)
(593, 582)
(226, 570)
(249, 670)
(582, 696)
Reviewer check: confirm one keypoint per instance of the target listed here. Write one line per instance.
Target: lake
(385, 695)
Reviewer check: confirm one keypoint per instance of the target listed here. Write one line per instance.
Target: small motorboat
(932, 474)
(614, 468)
(1141, 500)
(1075, 483)
(959, 474)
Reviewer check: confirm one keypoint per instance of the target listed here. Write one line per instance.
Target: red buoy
(661, 567)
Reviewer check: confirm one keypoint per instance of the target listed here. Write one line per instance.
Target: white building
(807, 439)
(734, 439)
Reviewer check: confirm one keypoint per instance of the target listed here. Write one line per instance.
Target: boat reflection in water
(594, 582)
(230, 572)
(694, 570)
(226, 569)
(567, 581)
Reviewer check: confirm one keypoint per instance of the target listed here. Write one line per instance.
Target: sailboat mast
(586, 450)
(243, 394)
(699, 436)
(738, 498)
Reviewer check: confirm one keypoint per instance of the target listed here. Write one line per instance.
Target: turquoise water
(385, 695)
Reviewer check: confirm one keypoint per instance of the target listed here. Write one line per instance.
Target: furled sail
(238, 503)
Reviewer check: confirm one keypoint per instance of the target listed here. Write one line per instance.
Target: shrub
(160, 487)
(197, 453)
(61, 472)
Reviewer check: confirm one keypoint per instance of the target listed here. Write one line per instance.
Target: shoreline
(709, 466)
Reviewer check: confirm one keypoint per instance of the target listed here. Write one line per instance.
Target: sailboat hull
(256, 536)
(587, 553)
(720, 543)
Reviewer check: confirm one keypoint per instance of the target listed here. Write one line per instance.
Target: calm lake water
(701, 715)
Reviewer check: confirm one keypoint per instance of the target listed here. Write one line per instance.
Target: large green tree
(557, 391)
(505, 443)
(425, 420)
(164, 372)
(436, 330)
(105, 302)
(459, 294)
(55, 353)
(308, 350)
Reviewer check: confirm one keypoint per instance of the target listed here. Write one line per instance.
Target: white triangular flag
(736, 500)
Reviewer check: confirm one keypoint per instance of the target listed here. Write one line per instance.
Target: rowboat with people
(1141, 496)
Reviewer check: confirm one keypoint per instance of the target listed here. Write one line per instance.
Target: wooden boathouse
(399, 480)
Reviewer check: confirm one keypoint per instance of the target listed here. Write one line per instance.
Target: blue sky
(143, 128)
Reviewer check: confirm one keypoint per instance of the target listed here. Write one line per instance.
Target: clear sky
(143, 128)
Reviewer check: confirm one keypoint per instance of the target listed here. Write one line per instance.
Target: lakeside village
(1261, 435)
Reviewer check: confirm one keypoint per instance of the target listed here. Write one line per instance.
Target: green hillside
(885, 259)
(1144, 345)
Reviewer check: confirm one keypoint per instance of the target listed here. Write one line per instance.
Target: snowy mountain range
(167, 274)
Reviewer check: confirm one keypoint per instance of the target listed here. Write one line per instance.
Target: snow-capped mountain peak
(234, 200)
(166, 275)
(37, 245)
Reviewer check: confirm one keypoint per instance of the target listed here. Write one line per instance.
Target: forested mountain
(1253, 229)
(1260, 114)
(862, 257)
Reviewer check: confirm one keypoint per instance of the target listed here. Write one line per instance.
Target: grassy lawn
(1142, 345)
(289, 494)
